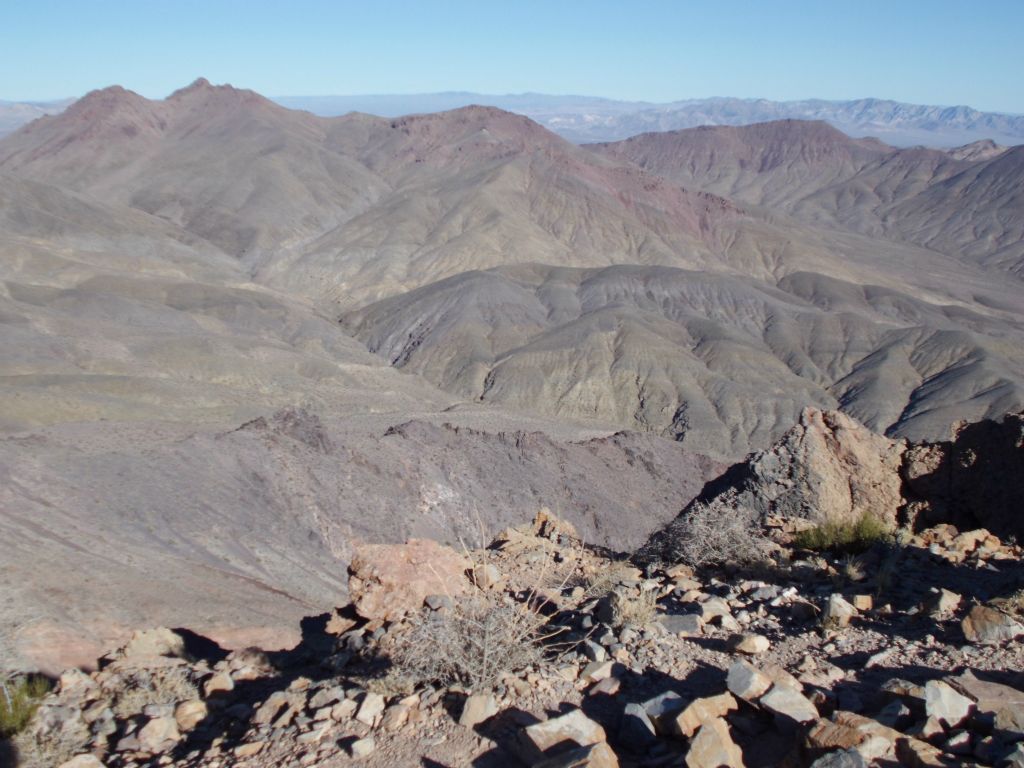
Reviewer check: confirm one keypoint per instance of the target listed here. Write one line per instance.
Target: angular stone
(596, 671)
(158, 735)
(573, 727)
(919, 754)
(189, 714)
(987, 626)
(942, 702)
(701, 711)
(789, 704)
(395, 717)
(478, 708)
(714, 608)
(371, 707)
(750, 644)
(745, 681)
(713, 747)
(636, 728)
(591, 756)
(326, 696)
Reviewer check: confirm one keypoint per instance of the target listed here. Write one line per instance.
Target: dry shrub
(474, 643)
(41, 747)
(716, 536)
(166, 686)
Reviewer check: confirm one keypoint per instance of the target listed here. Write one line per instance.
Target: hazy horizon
(658, 53)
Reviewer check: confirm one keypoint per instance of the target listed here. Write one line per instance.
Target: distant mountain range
(584, 119)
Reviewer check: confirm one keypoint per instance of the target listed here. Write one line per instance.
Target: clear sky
(921, 51)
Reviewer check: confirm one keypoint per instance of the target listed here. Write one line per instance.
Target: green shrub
(844, 537)
(19, 699)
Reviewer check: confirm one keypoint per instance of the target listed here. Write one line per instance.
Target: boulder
(942, 702)
(713, 747)
(388, 581)
(987, 626)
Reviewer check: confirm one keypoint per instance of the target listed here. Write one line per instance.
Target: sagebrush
(163, 687)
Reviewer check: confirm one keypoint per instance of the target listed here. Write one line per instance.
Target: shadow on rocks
(230, 714)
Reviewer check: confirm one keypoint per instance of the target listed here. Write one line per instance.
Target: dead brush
(475, 642)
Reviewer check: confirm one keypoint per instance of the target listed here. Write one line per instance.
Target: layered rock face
(975, 479)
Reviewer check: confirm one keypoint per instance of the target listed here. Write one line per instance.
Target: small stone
(362, 747)
(713, 747)
(343, 710)
(826, 735)
(747, 682)
(478, 708)
(863, 602)
(594, 651)
(943, 602)
(395, 717)
(326, 696)
(750, 644)
(189, 714)
(947, 706)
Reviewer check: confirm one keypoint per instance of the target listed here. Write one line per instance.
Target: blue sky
(935, 52)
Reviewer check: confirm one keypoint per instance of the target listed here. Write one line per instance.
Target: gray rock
(946, 705)
(846, 758)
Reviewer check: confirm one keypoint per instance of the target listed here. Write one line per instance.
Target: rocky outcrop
(830, 468)
(827, 468)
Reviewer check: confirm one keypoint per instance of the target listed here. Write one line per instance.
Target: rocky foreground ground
(541, 651)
